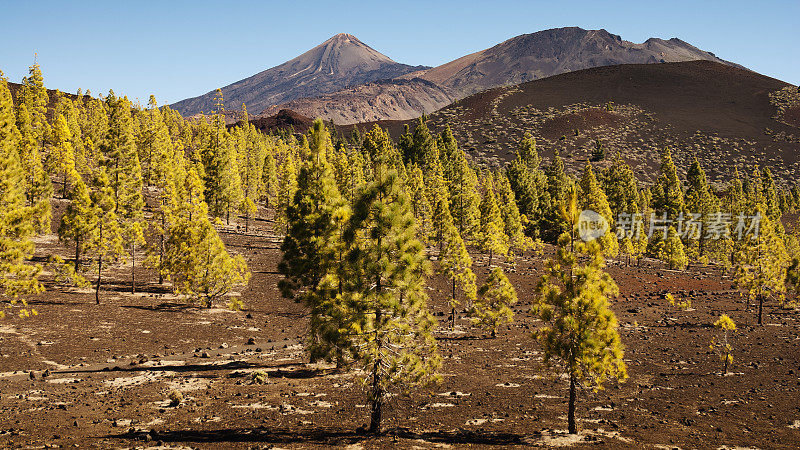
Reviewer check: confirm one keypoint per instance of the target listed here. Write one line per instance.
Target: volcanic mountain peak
(551, 52)
(341, 54)
(339, 62)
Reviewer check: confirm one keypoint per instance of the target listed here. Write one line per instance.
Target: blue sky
(179, 49)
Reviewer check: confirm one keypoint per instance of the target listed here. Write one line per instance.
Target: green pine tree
(760, 263)
(594, 198)
(456, 264)
(394, 344)
(495, 299)
(18, 220)
(313, 247)
(493, 236)
(580, 330)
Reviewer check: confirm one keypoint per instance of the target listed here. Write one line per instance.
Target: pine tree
(464, 197)
(313, 248)
(125, 171)
(621, 187)
(108, 242)
(420, 146)
(62, 153)
(671, 251)
(223, 188)
(377, 145)
(456, 264)
(594, 199)
(580, 330)
(699, 200)
(394, 345)
(288, 186)
(495, 299)
(668, 191)
(79, 223)
(195, 258)
(557, 185)
(34, 134)
(493, 236)
(270, 179)
(514, 221)
(760, 263)
(17, 219)
(440, 202)
(420, 206)
(723, 346)
(156, 146)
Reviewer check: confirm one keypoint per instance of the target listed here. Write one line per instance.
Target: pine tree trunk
(760, 308)
(133, 267)
(64, 186)
(99, 269)
(77, 253)
(453, 317)
(573, 427)
(99, 278)
(377, 400)
(725, 370)
(161, 249)
(491, 253)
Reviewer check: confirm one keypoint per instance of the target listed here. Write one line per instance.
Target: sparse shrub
(682, 304)
(720, 344)
(598, 152)
(175, 397)
(260, 377)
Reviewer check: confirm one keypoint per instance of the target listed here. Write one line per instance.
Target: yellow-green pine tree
(671, 251)
(393, 341)
(593, 198)
(35, 132)
(456, 264)
(493, 236)
(760, 263)
(17, 219)
(580, 330)
(495, 299)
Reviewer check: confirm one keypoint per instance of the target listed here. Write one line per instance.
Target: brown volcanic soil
(112, 366)
(285, 119)
(792, 116)
(581, 120)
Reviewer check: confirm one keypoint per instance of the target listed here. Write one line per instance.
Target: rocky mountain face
(552, 52)
(338, 63)
(347, 81)
(394, 99)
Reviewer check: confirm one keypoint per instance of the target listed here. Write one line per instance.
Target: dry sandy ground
(110, 369)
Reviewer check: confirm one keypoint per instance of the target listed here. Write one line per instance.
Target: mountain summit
(551, 52)
(340, 62)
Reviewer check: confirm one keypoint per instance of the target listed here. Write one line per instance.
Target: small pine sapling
(720, 344)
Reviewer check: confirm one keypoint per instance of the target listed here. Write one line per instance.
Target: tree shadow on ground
(165, 307)
(321, 436)
(288, 370)
(463, 338)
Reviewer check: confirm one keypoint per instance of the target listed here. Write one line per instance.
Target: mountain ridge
(345, 80)
(338, 63)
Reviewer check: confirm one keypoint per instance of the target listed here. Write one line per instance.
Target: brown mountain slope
(719, 113)
(399, 99)
(520, 59)
(340, 62)
(551, 52)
